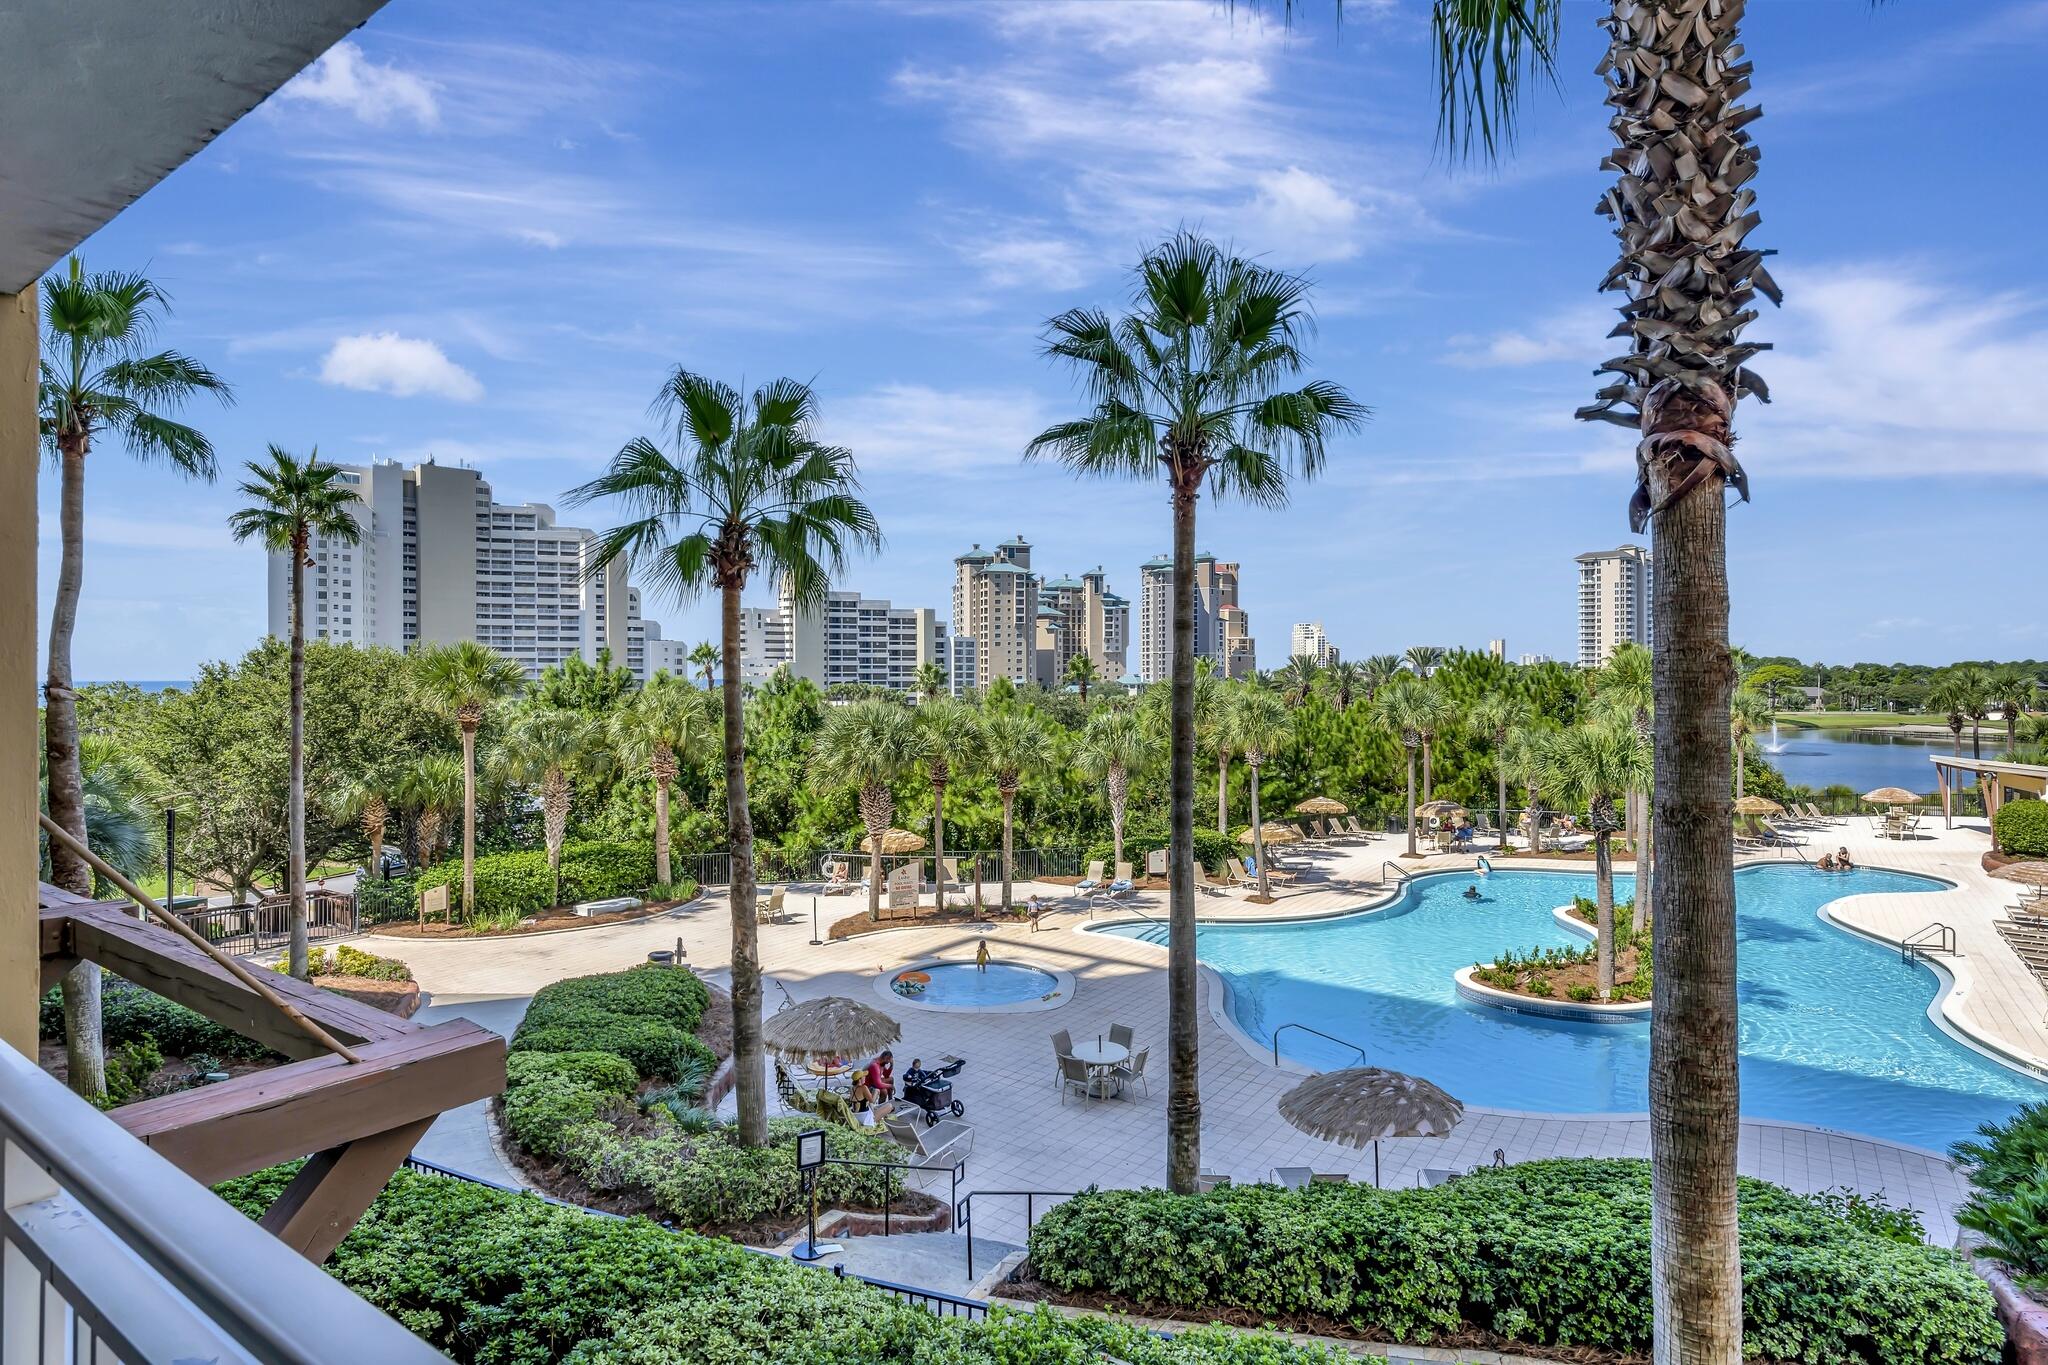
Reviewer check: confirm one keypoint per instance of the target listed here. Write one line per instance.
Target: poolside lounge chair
(1092, 881)
(1209, 1180)
(1233, 876)
(949, 875)
(1311, 830)
(1359, 829)
(793, 1099)
(837, 876)
(768, 908)
(1203, 882)
(940, 1147)
(1273, 874)
(1123, 879)
(1783, 838)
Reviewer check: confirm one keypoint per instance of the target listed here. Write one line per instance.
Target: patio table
(1100, 1058)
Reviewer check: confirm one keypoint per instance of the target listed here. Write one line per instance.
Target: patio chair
(1203, 882)
(1360, 830)
(1075, 1075)
(768, 908)
(1123, 878)
(1328, 1178)
(1133, 1071)
(1209, 1180)
(1092, 881)
(1121, 1035)
(1273, 874)
(1310, 831)
(793, 1099)
(1784, 838)
(1062, 1048)
(940, 1147)
(836, 876)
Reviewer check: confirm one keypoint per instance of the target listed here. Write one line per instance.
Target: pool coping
(1061, 995)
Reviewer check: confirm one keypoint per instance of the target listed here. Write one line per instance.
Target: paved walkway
(1028, 1140)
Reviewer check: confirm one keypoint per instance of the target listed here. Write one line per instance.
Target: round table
(1100, 1057)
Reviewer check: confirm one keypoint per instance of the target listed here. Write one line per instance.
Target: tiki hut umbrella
(894, 841)
(2026, 874)
(1891, 796)
(1322, 805)
(1757, 805)
(1440, 808)
(832, 1026)
(1365, 1104)
(1272, 832)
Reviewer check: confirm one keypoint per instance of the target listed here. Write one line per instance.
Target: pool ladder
(1935, 938)
(1401, 874)
(1318, 1033)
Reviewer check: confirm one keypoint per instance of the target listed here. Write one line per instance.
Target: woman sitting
(1842, 863)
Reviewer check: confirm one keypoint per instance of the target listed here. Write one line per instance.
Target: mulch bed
(852, 926)
(401, 998)
(175, 1074)
(561, 917)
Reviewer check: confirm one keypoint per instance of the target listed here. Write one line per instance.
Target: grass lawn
(1854, 720)
(153, 884)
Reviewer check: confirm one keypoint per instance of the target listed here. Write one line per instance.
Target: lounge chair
(793, 1099)
(1091, 882)
(1133, 1071)
(768, 908)
(837, 877)
(949, 875)
(1209, 1180)
(1310, 830)
(1203, 882)
(1233, 878)
(1273, 874)
(1783, 838)
(1359, 829)
(1123, 878)
(940, 1147)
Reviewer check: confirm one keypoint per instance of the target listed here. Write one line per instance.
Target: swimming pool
(1834, 1027)
(1005, 986)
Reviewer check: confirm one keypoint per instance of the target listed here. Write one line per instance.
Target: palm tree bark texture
(1184, 1099)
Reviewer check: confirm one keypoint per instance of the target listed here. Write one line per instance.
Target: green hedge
(506, 1279)
(521, 884)
(1211, 849)
(549, 1093)
(2008, 1165)
(381, 901)
(129, 1014)
(671, 994)
(645, 1014)
(2021, 828)
(1555, 1253)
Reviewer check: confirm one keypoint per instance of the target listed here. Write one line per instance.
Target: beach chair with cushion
(1781, 837)
(939, 1147)
(1091, 882)
(1123, 878)
(1273, 873)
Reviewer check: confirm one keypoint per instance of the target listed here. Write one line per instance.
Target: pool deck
(1027, 1139)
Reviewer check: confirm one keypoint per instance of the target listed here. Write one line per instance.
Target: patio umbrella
(1364, 1104)
(894, 841)
(1440, 808)
(1891, 796)
(2027, 874)
(1322, 805)
(832, 1026)
(1757, 805)
(1272, 832)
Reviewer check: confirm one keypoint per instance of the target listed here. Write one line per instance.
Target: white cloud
(1573, 334)
(405, 367)
(345, 79)
(919, 428)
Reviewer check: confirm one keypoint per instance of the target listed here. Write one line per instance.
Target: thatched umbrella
(1757, 805)
(1272, 832)
(1364, 1104)
(2026, 874)
(1440, 808)
(894, 841)
(832, 1026)
(1322, 805)
(1891, 796)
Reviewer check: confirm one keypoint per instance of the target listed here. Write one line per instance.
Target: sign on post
(903, 879)
(434, 902)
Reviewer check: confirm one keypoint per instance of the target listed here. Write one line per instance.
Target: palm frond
(1483, 49)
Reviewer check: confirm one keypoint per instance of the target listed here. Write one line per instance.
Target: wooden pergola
(1998, 779)
(353, 1112)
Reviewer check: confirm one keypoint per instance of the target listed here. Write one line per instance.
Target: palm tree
(1494, 717)
(369, 799)
(1297, 679)
(1977, 689)
(462, 680)
(1257, 723)
(1210, 691)
(1346, 680)
(1626, 684)
(1014, 744)
(122, 813)
(1114, 747)
(1950, 696)
(431, 788)
(1433, 714)
(1749, 715)
(1188, 387)
(549, 746)
(1423, 660)
(2011, 688)
(705, 658)
(1402, 708)
(97, 376)
(290, 502)
(1378, 671)
(931, 680)
(750, 488)
(948, 744)
(1081, 671)
(1525, 764)
(662, 726)
(868, 745)
(1595, 764)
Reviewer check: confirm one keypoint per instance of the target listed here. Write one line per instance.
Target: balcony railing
(113, 1254)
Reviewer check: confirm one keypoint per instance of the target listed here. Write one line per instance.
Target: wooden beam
(334, 1187)
(245, 1124)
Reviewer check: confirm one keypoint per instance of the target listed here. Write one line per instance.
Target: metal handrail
(1094, 902)
(963, 1212)
(906, 1168)
(1918, 944)
(1401, 873)
(152, 1263)
(1319, 1033)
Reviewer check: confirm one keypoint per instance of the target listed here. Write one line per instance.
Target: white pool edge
(1060, 996)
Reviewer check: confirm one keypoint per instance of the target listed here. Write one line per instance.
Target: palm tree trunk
(1411, 805)
(295, 863)
(1976, 742)
(1223, 791)
(939, 842)
(1646, 870)
(1184, 1086)
(82, 1052)
(1009, 796)
(1259, 837)
(662, 869)
(468, 822)
(875, 833)
(1428, 776)
(1500, 773)
(1736, 758)
(1695, 1088)
(749, 1085)
(1603, 919)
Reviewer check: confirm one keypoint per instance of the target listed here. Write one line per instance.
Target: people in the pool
(1472, 893)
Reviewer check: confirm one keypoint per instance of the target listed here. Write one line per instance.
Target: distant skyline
(485, 232)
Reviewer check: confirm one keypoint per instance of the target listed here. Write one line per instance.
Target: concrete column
(20, 951)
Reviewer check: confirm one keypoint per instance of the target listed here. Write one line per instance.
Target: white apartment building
(995, 605)
(1310, 640)
(1222, 629)
(848, 639)
(439, 562)
(1614, 602)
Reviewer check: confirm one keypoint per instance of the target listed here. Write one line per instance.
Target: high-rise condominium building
(1309, 640)
(438, 561)
(995, 605)
(1222, 629)
(847, 639)
(1497, 648)
(1614, 602)
(1082, 616)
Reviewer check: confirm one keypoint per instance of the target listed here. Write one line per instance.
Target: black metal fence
(715, 869)
(242, 929)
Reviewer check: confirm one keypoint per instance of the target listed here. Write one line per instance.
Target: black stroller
(932, 1091)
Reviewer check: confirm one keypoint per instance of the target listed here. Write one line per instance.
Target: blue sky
(485, 231)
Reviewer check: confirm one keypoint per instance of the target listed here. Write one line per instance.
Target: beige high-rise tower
(1614, 602)
(995, 606)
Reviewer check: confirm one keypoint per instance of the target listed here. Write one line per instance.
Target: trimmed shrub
(1211, 848)
(519, 883)
(548, 1093)
(1555, 1253)
(347, 961)
(671, 994)
(656, 1049)
(2021, 828)
(599, 1070)
(645, 1014)
(129, 1014)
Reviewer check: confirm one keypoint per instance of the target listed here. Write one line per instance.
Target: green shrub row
(549, 1093)
(1140, 838)
(2021, 828)
(1555, 1253)
(506, 1279)
(2008, 1165)
(645, 1015)
(129, 1014)
(346, 960)
(520, 883)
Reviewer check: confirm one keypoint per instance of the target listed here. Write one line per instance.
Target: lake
(1867, 759)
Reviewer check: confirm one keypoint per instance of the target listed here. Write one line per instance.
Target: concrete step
(925, 1260)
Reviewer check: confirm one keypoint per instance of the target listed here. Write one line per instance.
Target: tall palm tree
(1297, 679)
(1978, 691)
(1749, 715)
(931, 680)
(1014, 745)
(1626, 685)
(868, 745)
(290, 502)
(1402, 708)
(1115, 747)
(432, 788)
(2012, 687)
(1378, 671)
(1495, 716)
(1525, 765)
(948, 744)
(1257, 723)
(1595, 764)
(98, 376)
(122, 811)
(369, 799)
(549, 747)
(462, 680)
(1951, 698)
(1345, 680)
(1210, 691)
(662, 726)
(1081, 672)
(704, 658)
(1423, 660)
(750, 487)
(1433, 715)
(1189, 386)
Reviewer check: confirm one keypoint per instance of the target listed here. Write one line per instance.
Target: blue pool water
(962, 985)
(1834, 1027)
